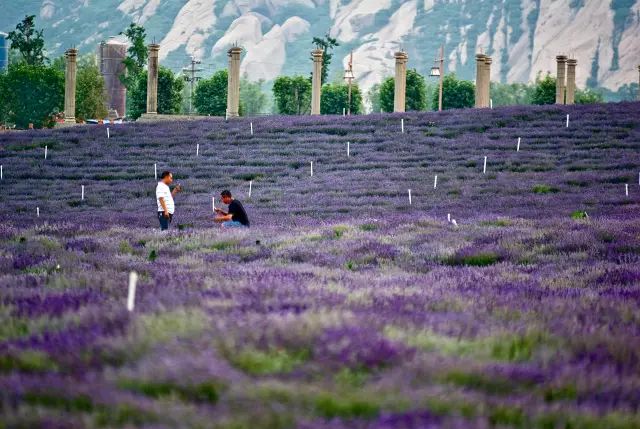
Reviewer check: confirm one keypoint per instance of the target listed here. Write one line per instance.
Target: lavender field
(343, 306)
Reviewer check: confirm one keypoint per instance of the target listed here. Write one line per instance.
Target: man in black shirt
(236, 216)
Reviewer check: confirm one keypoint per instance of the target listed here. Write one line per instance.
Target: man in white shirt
(164, 197)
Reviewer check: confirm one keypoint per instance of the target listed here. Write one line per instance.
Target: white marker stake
(638, 176)
(348, 154)
(155, 171)
(491, 103)
(38, 211)
(213, 204)
(82, 194)
(251, 124)
(131, 298)
(45, 152)
(409, 196)
(567, 121)
(626, 189)
(484, 169)
(1, 175)
(250, 188)
(197, 149)
(448, 217)
(311, 168)
(108, 133)
(344, 112)
(435, 182)
(518, 147)
(402, 125)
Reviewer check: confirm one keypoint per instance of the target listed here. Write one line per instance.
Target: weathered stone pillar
(479, 80)
(152, 80)
(400, 83)
(233, 82)
(560, 78)
(70, 86)
(486, 89)
(638, 83)
(571, 80)
(316, 81)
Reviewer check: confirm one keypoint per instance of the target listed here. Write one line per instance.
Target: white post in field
(82, 193)
(251, 125)
(484, 169)
(491, 103)
(45, 152)
(250, 181)
(1, 173)
(448, 217)
(567, 120)
(38, 211)
(435, 182)
(108, 136)
(155, 171)
(311, 168)
(626, 189)
(213, 204)
(518, 147)
(402, 125)
(348, 154)
(197, 149)
(344, 112)
(131, 297)
(409, 196)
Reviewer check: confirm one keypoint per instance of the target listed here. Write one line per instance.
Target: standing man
(164, 197)
(236, 216)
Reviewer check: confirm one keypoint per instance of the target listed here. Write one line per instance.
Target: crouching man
(236, 216)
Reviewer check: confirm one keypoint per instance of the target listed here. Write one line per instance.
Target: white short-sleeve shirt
(162, 190)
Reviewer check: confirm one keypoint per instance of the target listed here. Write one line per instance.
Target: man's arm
(223, 218)
(164, 207)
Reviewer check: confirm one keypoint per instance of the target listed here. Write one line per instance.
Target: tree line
(32, 89)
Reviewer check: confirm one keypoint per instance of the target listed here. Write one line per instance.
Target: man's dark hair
(165, 174)
(225, 193)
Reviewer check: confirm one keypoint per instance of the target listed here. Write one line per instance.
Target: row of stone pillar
(565, 80)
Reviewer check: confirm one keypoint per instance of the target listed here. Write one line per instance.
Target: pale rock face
(373, 60)
(191, 28)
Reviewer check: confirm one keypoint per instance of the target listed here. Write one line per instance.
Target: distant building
(4, 51)
(110, 56)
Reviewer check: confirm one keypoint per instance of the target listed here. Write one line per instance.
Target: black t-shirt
(237, 213)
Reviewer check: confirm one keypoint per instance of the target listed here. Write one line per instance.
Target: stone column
(233, 82)
(560, 78)
(571, 81)
(152, 80)
(638, 83)
(316, 81)
(486, 89)
(400, 83)
(480, 58)
(70, 86)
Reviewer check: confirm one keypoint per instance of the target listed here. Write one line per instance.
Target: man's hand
(166, 213)
(219, 211)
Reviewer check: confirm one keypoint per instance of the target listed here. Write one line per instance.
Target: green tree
(252, 98)
(34, 94)
(456, 93)
(326, 43)
(335, 98)
(90, 93)
(588, 96)
(373, 97)
(210, 96)
(28, 41)
(512, 94)
(169, 94)
(292, 95)
(544, 91)
(416, 96)
(136, 55)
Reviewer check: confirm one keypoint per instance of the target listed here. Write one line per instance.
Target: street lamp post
(439, 72)
(348, 76)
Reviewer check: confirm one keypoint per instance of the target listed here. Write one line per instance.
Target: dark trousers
(164, 221)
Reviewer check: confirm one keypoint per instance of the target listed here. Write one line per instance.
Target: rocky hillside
(523, 36)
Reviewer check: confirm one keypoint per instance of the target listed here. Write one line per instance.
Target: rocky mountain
(522, 36)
